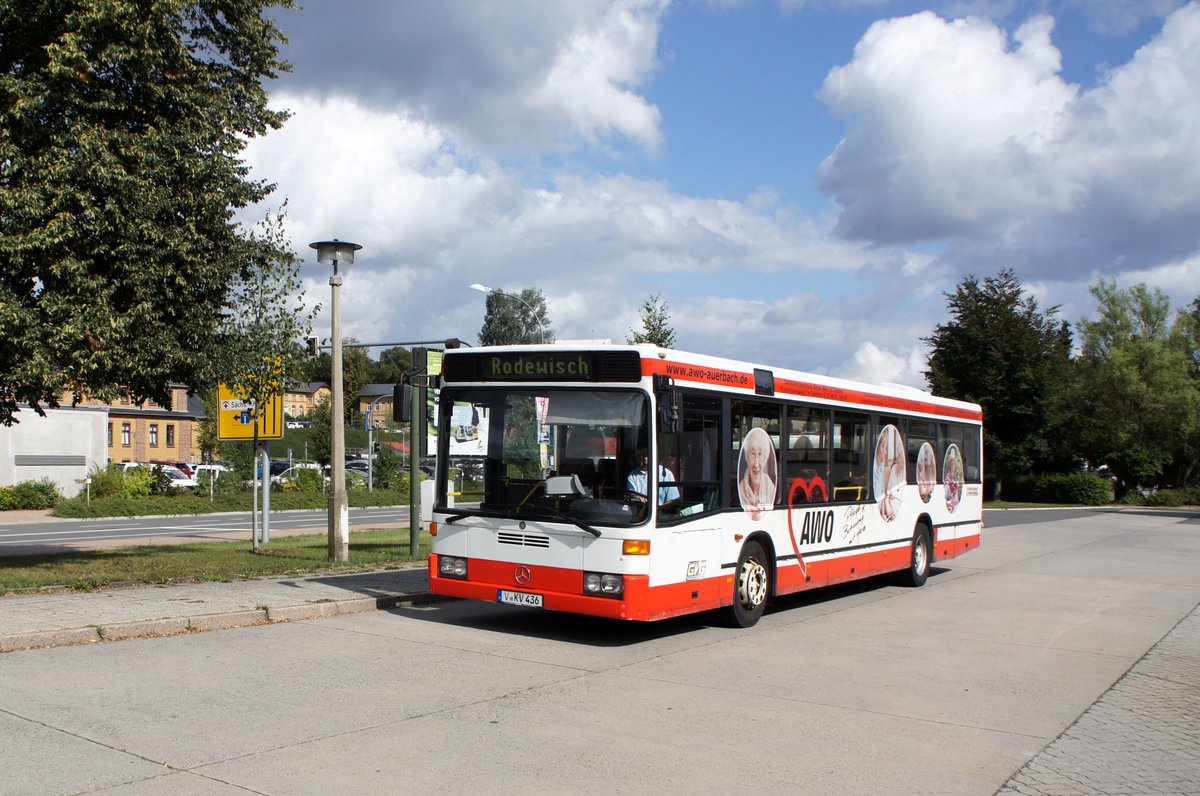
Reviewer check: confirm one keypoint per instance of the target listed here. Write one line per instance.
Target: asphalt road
(106, 531)
(867, 688)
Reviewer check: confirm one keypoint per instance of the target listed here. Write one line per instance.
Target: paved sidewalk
(50, 620)
(1141, 736)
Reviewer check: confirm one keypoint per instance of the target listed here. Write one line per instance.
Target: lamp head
(335, 252)
(482, 288)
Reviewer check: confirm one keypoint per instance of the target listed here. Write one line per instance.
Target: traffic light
(312, 346)
(375, 448)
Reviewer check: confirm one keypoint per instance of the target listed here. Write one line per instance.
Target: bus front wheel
(918, 567)
(752, 587)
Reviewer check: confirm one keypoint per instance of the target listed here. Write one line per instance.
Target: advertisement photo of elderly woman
(757, 473)
(926, 472)
(952, 477)
(889, 471)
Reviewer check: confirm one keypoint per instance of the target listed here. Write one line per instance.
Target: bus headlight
(451, 567)
(603, 585)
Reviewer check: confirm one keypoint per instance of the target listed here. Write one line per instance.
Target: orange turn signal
(636, 547)
(433, 529)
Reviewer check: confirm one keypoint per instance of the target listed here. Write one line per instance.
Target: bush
(41, 494)
(1068, 488)
(36, 494)
(1173, 497)
(307, 480)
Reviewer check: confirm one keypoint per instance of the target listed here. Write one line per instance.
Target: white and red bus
(641, 483)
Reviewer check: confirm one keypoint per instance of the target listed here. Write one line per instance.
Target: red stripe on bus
(804, 389)
(562, 589)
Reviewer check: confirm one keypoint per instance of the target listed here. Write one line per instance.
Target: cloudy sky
(801, 180)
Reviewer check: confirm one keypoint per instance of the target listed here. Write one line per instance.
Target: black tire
(920, 558)
(752, 587)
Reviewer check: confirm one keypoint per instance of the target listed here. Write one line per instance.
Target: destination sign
(552, 366)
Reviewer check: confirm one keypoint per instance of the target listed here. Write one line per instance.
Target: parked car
(187, 468)
(179, 480)
(210, 470)
(290, 473)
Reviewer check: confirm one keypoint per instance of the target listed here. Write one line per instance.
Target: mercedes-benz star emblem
(523, 575)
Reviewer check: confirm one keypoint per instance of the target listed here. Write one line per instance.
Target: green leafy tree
(656, 324)
(355, 368)
(1002, 351)
(263, 320)
(121, 131)
(320, 432)
(1138, 393)
(392, 365)
(514, 319)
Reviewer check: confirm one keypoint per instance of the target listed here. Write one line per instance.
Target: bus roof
(571, 362)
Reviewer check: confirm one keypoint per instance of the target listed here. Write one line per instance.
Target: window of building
(170, 435)
(125, 434)
(110, 435)
(154, 435)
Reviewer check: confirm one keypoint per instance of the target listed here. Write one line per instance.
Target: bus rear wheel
(918, 566)
(752, 587)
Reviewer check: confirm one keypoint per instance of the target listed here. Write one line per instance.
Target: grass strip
(186, 503)
(284, 556)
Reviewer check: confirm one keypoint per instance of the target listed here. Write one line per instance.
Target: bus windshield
(542, 453)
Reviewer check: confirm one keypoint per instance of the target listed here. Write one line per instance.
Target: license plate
(519, 598)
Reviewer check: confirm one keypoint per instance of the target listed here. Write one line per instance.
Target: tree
(1138, 393)
(321, 431)
(355, 365)
(656, 324)
(264, 319)
(516, 318)
(121, 130)
(356, 372)
(392, 365)
(1003, 352)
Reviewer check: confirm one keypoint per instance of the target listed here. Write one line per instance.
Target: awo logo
(817, 527)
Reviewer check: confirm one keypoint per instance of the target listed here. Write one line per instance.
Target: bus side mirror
(402, 402)
(668, 405)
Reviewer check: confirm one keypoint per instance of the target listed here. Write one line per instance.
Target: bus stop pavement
(53, 619)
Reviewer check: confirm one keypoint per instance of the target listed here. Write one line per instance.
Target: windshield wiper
(526, 509)
(577, 523)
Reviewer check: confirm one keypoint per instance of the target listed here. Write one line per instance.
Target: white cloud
(505, 78)
(956, 133)
(876, 365)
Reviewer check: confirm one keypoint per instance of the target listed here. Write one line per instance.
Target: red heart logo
(808, 488)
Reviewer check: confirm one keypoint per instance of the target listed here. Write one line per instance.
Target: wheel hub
(752, 585)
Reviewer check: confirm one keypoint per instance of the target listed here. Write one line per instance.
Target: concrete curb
(227, 620)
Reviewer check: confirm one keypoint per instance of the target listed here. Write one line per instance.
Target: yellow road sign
(234, 417)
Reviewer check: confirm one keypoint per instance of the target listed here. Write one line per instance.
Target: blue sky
(800, 180)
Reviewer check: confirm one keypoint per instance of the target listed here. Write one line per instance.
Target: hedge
(29, 495)
(1081, 489)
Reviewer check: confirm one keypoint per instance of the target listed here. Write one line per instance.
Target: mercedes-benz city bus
(637, 482)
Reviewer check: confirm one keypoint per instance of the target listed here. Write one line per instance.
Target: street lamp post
(532, 311)
(335, 252)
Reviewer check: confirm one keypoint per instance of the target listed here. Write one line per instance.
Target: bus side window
(851, 460)
(755, 442)
(694, 457)
(807, 460)
(920, 434)
(971, 454)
